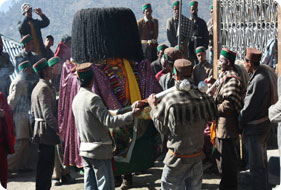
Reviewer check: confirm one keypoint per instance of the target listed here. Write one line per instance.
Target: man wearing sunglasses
(260, 95)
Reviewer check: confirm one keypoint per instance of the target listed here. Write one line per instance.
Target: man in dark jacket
(33, 27)
(254, 116)
(200, 35)
(156, 65)
(49, 42)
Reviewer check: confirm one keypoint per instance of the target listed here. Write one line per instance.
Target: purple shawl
(68, 89)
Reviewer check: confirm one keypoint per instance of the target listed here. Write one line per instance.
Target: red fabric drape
(7, 139)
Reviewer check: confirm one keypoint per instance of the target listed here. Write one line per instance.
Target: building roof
(13, 48)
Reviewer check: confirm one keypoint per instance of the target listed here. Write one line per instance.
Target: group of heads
(172, 61)
(147, 9)
(251, 60)
(193, 8)
(45, 69)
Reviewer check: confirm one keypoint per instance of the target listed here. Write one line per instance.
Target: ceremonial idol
(108, 38)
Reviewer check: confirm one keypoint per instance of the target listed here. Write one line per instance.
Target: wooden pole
(216, 44)
(279, 41)
(179, 24)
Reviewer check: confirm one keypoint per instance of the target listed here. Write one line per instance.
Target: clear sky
(2, 1)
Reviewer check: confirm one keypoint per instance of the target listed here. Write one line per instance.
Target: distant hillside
(60, 13)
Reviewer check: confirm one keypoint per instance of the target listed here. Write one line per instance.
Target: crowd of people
(97, 97)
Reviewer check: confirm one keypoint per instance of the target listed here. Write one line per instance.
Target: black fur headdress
(99, 33)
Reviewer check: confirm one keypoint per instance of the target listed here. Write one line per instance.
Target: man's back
(93, 121)
(183, 116)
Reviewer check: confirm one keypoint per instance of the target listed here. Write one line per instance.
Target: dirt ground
(146, 181)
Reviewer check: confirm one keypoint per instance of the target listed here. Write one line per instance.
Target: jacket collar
(45, 81)
(146, 20)
(259, 70)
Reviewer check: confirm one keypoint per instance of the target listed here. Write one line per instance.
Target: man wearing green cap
(148, 30)
(26, 54)
(200, 35)
(228, 96)
(156, 65)
(19, 102)
(203, 70)
(61, 175)
(173, 29)
(170, 56)
(6, 69)
(43, 108)
(55, 63)
(93, 120)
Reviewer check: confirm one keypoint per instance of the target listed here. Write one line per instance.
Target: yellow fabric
(36, 44)
(213, 133)
(133, 84)
(117, 62)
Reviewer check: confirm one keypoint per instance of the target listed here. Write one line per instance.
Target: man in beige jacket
(148, 29)
(93, 120)
(19, 101)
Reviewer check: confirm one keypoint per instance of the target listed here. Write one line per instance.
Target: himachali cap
(183, 68)
(171, 54)
(52, 61)
(193, 3)
(230, 55)
(40, 65)
(27, 38)
(253, 54)
(161, 47)
(145, 6)
(24, 65)
(25, 7)
(200, 49)
(175, 3)
(84, 71)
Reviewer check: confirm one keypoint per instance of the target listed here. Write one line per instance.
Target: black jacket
(24, 29)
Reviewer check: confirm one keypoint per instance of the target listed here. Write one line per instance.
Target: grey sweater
(92, 120)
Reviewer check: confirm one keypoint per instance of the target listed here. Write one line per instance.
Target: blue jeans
(257, 147)
(183, 176)
(98, 174)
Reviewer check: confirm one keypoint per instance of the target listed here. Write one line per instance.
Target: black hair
(65, 38)
(41, 74)
(85, 82)
(50, 37)
(256, 63)
(100, 33)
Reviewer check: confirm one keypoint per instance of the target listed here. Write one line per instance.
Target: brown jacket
(144, 30)
(43, 108)
(229, 100)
